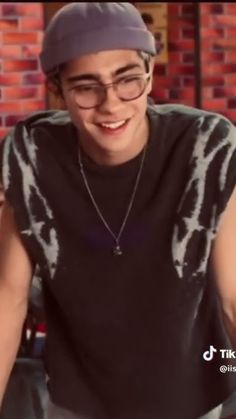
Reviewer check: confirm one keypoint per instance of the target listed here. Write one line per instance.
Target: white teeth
(113, 125)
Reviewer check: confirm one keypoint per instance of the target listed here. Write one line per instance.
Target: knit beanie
(85, 28)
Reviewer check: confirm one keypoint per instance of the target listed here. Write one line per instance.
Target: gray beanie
(84, 28)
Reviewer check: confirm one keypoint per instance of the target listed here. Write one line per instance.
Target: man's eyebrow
(128, 67)
(97, 77)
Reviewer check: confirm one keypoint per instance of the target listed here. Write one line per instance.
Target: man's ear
(54, 89)
(61, 103)
(151, 69)
(152, 63)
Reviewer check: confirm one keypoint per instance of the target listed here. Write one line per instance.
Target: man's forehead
(103, 60)
(96, 75)
(106, 63)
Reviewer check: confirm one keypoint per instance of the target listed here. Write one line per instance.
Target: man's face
(115, 127)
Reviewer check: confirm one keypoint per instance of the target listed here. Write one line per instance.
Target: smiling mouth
(113, 126)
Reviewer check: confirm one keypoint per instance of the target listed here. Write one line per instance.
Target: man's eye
(86, 88)
(130, 79)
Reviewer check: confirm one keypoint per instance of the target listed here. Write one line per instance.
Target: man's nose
(111, 100)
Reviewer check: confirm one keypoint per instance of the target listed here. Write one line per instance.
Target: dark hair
(147, 18)
(146, 57)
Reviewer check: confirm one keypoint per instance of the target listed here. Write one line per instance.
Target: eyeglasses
(92, 95)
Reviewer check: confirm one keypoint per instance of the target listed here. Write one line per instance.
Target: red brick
(187, 9)
(159, 93)
(188, 33)
(20, 65)
(33, 78)
(20, 37)
(10, 79)
(175, 57)
(30, 23)
(174, 9)
(8, 24)
(188, 81)
(216, 68)
(10, 51)
(185, 45)
(226, 19)
(160, 69)
(231, 115)
(166, 82)
(32, 106)
(231, 33)
(213, 81)
(230, 8)
(10, 107)
(9, 9)
(227, 91)
(230, 79)
(214, 104)
(188, 57)
(31, 50)
(11, 93)
(12, 120)
(182, 94)
(186, 22)
(22, 9)
(218, 92)
(211, 8)
(181, 69)
(227, 67)
(209, 57)
(207, 45)
(231, 103)
(212, 33)
(208, 93)
(224, 43)
(174, 33)
(206, 20)
(230, 56)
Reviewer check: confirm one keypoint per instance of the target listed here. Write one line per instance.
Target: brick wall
(218, 34)
(175, 81)
(22, 83)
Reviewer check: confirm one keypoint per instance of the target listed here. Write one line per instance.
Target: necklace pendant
(117, 251)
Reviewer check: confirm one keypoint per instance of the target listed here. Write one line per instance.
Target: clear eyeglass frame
(93, 95)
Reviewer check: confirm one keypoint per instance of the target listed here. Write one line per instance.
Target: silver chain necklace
(117, 250)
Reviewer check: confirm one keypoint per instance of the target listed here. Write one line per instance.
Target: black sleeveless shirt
(126, 334)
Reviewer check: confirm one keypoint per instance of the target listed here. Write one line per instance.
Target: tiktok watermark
(224, 354)
(227, 368)
(209, 355)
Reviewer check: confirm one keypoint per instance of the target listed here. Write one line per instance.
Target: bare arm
(224, 262)
(15, 280)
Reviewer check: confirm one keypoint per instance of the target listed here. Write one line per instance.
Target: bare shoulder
(224, 253)
(15, 264)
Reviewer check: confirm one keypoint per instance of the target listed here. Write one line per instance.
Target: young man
(128, 212)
